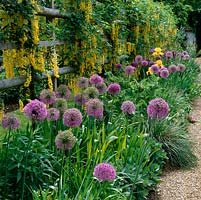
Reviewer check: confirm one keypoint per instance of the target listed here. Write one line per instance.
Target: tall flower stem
(60, 185)
(6, 163)
(26, 159)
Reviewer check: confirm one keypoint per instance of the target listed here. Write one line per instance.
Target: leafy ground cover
(110, 141)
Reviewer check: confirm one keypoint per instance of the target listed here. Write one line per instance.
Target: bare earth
(185, 184)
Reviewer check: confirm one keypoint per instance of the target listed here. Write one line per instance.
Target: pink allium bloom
(104, 172)
(94, 108)
(134, 64)
(158, 108)
(128, 107)
(138, 58)
(181, 68)
(151, 63)
(144, 63)
(114, 88)
(65, 140)
(10, 121)
(72, 117)
(118, 66)
(47, 96)
(129, 70)
(185, 57)
(96, 79)
(35, 110)
(83, 82)
(172, 68)
(168, 54)
(80, 99)
(60, 104)
(63, 92)
(164, 72)
(155, 69)
(102, 88)
(53, 114)
(91, 93)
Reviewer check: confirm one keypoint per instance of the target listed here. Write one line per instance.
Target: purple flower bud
(83, 82)
(53, 114)
(118, 66)
(181, 68)
(164, 72)
(47, 96)
(129, 70)
(172, 68)
(63, 92)
(96, 79)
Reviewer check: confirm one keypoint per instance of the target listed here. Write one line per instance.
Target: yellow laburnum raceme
(21, 105)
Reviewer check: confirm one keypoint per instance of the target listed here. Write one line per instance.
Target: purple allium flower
(185, 53)
(155, 69)
(63, 92)
(114, 88)
(144, 63)
(104, 172)
(172, 68)
(185, 57)
(134, 64)
(35, 110)
(10, 121)
(72, 117)
(118, 66)
(96, 79)
(80, 99)
(138, 58)
(53, 114)
(181, 68)
(60, 104)
(128, 107)
(102, 88)
(94, 108)
(65, 140)
(158, 108)
(83, 82)
(47, 96)
(91, 93)
(164, 72)
(129, 70)
(168, 54)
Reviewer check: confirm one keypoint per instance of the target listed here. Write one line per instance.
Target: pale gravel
(185, 184)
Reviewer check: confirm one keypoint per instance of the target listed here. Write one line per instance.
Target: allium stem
(6, 163)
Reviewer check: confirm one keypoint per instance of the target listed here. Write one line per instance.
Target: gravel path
(185, 184)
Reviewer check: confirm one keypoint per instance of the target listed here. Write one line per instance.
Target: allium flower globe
(53, 114)
(104, 172)
(65, 140)
(164, 72)
(35, 110)
(128, 107)
(91, 93)
(144, 63)
(80, 99)
(94, 108)
(83, 82)
(114, 88)
(129, 70)
(72, 117)
(61, 105)
(47, 96)
(96, 79)
(118, 66)
(102, 88)
(181, 68)
(155, 69)
(10, 121)
(134, 64)
(63, 92)
(172, 68)
(158, 109)
(138, 58)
